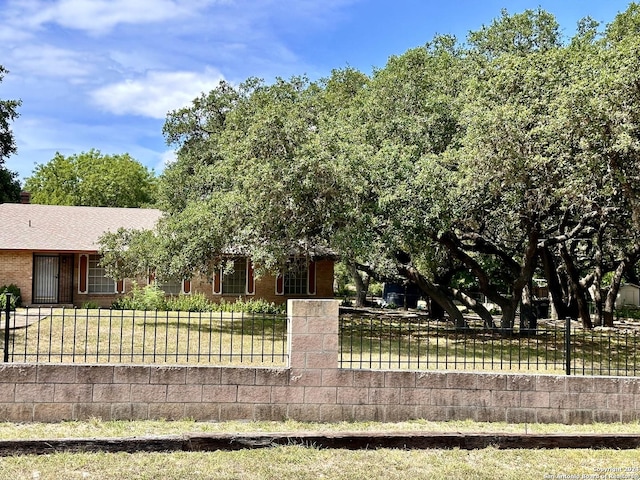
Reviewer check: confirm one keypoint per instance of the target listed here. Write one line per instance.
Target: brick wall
(311, 389)
(15, 267)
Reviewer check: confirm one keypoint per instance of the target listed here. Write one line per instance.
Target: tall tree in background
(9, 184)
(92, 179)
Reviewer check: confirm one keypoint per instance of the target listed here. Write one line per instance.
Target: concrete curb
(342, 440)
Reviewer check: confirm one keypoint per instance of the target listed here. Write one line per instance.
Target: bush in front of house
(150, 297)
(14, 290)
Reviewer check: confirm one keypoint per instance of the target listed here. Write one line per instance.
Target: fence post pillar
(567, 337)
(312, 334)
(6, 326)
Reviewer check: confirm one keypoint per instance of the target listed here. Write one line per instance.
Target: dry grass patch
(119, 336)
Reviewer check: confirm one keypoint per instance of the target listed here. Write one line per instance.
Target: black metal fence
(124, 336)
(423, 344)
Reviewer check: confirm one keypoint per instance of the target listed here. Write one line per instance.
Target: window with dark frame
(296, 277)
(235, 282)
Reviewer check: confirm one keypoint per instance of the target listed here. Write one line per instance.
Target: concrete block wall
(312, 388)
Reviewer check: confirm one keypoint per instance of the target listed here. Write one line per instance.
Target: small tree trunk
(435, 293)
(362, 284)
(476, 306)
(625, 265)
(528, 317)
(556, 292)
(576, 288)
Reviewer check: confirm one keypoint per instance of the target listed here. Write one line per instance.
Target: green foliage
(9, 184)
(14, 290)
(90, 305)
(150, 297)
(628, 311)
(455, 166)
(194, 302)
(92, 179)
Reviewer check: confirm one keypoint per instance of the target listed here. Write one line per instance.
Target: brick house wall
(17, 267)
(312, 388)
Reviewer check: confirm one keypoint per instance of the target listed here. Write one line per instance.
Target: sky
(103, 74)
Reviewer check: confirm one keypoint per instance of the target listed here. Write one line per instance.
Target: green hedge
(151, 297)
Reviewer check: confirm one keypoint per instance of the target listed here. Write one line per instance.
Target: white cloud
(50, 61)
(101, 16)
(157, 93)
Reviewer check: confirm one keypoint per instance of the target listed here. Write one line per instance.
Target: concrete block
(322, 395)
(131, 374)
(219, 393)
(52, 412)
(16, 412)
(168, 375)
(18, 373)
(529, 399)
(107, 393)
(254, 394)
(95, 374)
(204, 375)
(400, 379)
(145, 393)
(56, 373)
(34, 393)
(72, 393)
(167, 411)
(87, 411)
(384, 396)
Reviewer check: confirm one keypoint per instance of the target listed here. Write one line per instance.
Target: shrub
(90, 305)
(196, 302)
(628, 311)
(149, 297)
(14, 290)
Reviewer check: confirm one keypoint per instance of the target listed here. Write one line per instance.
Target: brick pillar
(313, 334)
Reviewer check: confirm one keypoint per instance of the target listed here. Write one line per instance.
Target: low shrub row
(151, 297)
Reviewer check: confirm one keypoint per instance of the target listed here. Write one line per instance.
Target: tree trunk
(627, 264)
(577, 290)
(435, 293)
(362, 284)
(476, 306)
(528, 316)
(597, 279)
(556, 292)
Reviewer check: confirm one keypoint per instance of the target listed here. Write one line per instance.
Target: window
(296, 277)
(98, 281)
(171, 287)
(235, 282)
(235, 277)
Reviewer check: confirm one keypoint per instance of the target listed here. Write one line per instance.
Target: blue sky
(104, 73)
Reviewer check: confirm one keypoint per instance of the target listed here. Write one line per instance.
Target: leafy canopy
(92, 179)
(9, 184)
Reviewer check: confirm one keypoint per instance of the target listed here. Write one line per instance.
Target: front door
(52, 278)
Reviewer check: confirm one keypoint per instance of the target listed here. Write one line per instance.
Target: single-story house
(51, 253)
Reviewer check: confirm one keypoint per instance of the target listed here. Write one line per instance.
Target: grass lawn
(380, 342)
(417, 343)
(141, 337)
(295, 462)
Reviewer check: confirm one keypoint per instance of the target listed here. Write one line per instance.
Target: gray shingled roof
(61, 228)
